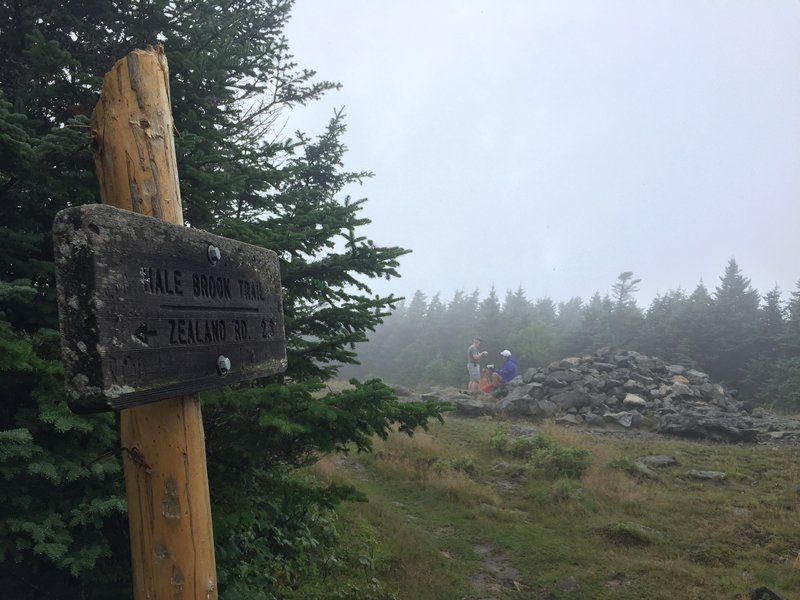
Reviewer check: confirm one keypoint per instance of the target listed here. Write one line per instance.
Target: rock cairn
(631, 390)
(622, 389)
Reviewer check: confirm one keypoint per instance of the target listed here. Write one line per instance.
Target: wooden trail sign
(164, 457)
(151, 310)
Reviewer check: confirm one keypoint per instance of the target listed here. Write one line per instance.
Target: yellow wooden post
(172, 541)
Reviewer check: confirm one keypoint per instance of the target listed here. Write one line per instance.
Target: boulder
(764, 593)
(711, 425)
(696, 377)
(635, 387)
(593, 420)
(643, 469)
(528, 376)
(474, 406)
(517, 403)
(682, 390)
(561, 378)
(543, 408)
(706, 475)
(569, 420)
(625, 418)
(571, 362)
(634, 401)
(657, 461)
(571, 399)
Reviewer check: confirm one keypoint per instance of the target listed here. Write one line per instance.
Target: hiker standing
(474, 356)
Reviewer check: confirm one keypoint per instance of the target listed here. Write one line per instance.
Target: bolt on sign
(151, 310)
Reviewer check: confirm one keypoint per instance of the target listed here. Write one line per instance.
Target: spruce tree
(490, 321)
(698, 326)
(61, 504)
(665, 328)
(596, 323)
(734, 320)
(569, 323)
(439, 358)
(771, 323)
(408, 359)
(459, 327)
(517, 312)
(773, 378)
(62, 527)
(791, 339)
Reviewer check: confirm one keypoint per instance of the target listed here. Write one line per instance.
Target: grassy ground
(452, 516)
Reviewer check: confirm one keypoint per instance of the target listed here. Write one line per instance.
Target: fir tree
(63, 531)
(791, 338)
(490, 321)
(569, 324)
(665, 333)
(698, 326)
(734, 322)
(773, 378)
(517, 312)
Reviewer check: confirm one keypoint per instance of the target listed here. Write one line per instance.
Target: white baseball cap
(505, 353)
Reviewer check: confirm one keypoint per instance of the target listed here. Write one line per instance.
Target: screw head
(223, 364)
(214, 254)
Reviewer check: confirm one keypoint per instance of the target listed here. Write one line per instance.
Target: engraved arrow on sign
(143, 334)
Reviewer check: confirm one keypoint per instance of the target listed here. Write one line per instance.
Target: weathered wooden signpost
(153, 310)
(151, 313)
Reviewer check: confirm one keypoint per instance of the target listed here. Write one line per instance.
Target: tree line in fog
(748, 340)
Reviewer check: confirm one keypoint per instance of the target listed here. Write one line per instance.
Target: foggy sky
(554, 145)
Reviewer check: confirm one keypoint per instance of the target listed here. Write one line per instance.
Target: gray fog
(554, 145)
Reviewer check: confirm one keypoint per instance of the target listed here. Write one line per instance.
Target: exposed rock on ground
(626, 390)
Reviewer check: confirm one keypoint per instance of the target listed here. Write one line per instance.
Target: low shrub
(622, 464)
(548, 459)
(553, 462)
(462, 463)
(565, 490)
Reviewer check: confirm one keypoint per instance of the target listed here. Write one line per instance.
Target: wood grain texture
(172, 541)
(133, 141)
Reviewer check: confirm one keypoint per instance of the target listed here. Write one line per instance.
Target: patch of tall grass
(547, 458)
(433, 497)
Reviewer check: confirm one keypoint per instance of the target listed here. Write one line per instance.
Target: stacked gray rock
(629, 389)
(623, 389)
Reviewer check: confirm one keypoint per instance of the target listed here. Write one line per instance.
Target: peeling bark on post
(132, 138)
(172, 542)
